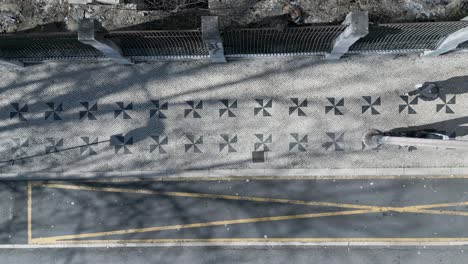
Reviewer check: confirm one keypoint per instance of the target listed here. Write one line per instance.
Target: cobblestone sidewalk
(300, 115)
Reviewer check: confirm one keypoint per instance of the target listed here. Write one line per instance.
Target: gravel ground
(271, 12)
(53, 15)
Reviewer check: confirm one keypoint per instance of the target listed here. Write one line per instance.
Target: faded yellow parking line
(270, 240)
(427, 206)
(411, 208)
(363, 209)
(211, 196)
(196, 225)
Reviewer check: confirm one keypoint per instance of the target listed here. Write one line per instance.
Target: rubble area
(59, 15)
(270, 12)
(53, 15)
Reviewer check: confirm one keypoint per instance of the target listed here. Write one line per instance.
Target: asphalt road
(249, 209)
(215, 255)
(236, 220)
(235, 210)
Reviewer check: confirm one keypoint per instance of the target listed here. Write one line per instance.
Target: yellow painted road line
(55, 239)
(210, 196)
(365, 209)
(442, 212)
(428, 206)
(64, 238)
(403, 209)
(29, 212)
(262, 240)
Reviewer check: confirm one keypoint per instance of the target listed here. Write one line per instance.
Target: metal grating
(254, 42)
(401, 38)
(160, 44)
(46, 46)
(316, 40)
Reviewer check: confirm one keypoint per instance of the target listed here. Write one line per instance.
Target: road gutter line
(324, 173)
(236, 244)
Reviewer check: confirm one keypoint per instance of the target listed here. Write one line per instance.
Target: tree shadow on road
(75, 212)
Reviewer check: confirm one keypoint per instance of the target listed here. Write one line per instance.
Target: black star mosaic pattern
(54, 112)
(298, 143)
(263, 143)
(336, 141)
(408, 105)
(123, 110)
(371, 105)
(447, 104)
(194, 143)
(19, 111)
(265, 105)
(298, 107)
(20, 146)
(89, 112)
(335, 104)
(194, 109)
(87, 148)
(53, 145)
(122, 144)
(158, 109)
(228, 143)
(228, 108)
(159, 143)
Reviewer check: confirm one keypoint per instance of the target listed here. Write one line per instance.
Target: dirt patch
(56, 15)
(272, 12)
(59, 15)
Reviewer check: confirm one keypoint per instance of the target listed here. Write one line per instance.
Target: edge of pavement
(351, 173)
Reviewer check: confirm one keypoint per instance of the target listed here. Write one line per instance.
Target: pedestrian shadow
(457, 127)
(452, 86)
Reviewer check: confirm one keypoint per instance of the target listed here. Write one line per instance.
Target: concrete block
(220, 173)
(450, 43)
(212, 38)
(357, 27)
(457, 171)
(390, 171)
(427, 171)
(87, 34)
(365, 171)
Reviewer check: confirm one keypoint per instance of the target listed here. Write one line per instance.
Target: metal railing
(407, 37)
(185, 44)
(316, 40)
(42, 47)
(147, 45)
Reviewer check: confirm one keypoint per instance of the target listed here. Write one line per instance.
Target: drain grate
(316, 40)
(402, 38)
(252, 42)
